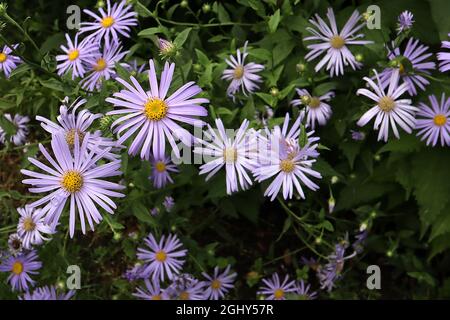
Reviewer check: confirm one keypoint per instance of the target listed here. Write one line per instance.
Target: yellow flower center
(230, 155)
(337, 42)
(216, 284)
(440, 120)
(160, 166)
(72, 181)
(238, 72)
(278, 294)
(386, 103)
(3, 57)
(28, 224)
(157, 297)
(155, 109)
(17, 268)
(287, 165)
(401, 69)
(107, 22)
(73, 54)
(70, 137)
(314, 102)
(161, 256)
(101, 65)
(184, 295)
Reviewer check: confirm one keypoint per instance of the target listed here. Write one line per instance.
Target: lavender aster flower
(303, 293)
(73, 124)
(154, 211)
(114, 21)
(31, 225)
(161, 169)
(135, 273)
(405, 21)
(15, 244)
(152, 291)
(237, 154)
(153, 115)
(389, 109)
(164, 259)
(317, 110)
(47, 293)
(75, 56)
(361, 237)
(185, 287)
(289, 162)
(168, 203)
(167, 49)
(21, 125)
(76, 178)
(412, 58)
(20, 267)
(133, 67)
(218, 285)
(273, 289)
(444, 57)
(357, 135)
(334, 43)
(8, 62)
(434, 122)
(242, 76)
(103, 66)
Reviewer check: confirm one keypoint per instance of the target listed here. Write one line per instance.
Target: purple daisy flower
(389, 109)
(31, 225)
(334, 43)
(288, 161)
(185, 287)
(303, 293)
(242, 76)
(20, 267)
(434, 124)
(76, 178)
(161, 169)
(15, 244)
(317, 110)
(21, 125)
(114, 21)
(236, 153)
(75, 56)
(103, 66)
(361, 238)
(167, 49)
(135, 273)
(168, 203)
(273, 289)
(154, 115)
(47, 293)
(73, 124)
(405, 21)
(357, 135)
(164, 258)
(8, 62)
(218, 285)
(414, 55)
(154, 211)
(444, 57)
(133, 67)
(152, 291)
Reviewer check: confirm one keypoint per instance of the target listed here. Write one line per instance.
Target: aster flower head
(116, 20)
(15, 244)
(410, 63)
(302, 290)
(20, 123)
(153, 116)
(185, 287)
(152, 291)
(161, 169)
(102, 65)
(133, 67)
(218, 284)
(444, 57)
(389, 110)
(288, 161)
(8, 62)
(167, 49)
(334, 43)
(236, 153)
(20, 268)
(243, 76)
(71, 124)
(47, 293)
(357, 135)
(75, 178)
(135, 273)
(164, 258)
(75, 56)
(360, 240)
(405, 21)
(31, 226)
(316, 107)
(168, 203)
(433, 124)
(274, 289)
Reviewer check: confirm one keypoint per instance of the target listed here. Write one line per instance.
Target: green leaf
(181, 38)
(274, 20)
(146, 33)
(142, 10)
(6, 104)
(222, 14)
(407, 143)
